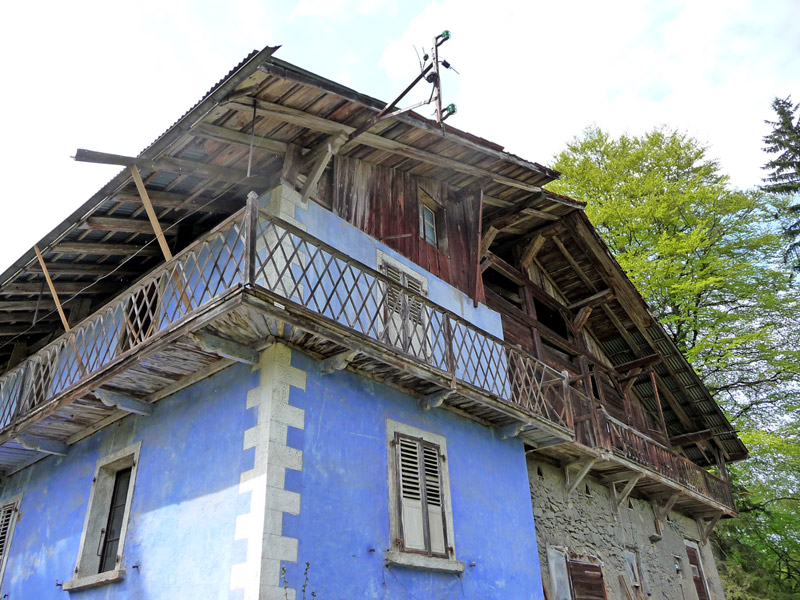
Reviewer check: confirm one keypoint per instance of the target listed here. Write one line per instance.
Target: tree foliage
(707, 259)
(784, 178)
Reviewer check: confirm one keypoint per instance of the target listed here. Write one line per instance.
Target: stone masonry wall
(587, 523)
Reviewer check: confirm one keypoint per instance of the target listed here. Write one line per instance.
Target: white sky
(112, 76)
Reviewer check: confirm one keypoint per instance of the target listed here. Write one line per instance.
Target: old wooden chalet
(291, 344)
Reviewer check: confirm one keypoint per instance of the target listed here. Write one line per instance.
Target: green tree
(784, 178)
(707, 259)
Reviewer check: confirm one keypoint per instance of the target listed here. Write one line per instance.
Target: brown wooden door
(697, 573)
(586, 581)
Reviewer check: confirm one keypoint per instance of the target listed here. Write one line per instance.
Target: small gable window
(430, 218)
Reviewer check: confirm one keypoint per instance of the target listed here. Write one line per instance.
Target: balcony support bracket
(511, 431)
(626, 491)
(436, 399)
(583, 470)
(705, 529)
(338, 362)
(124, 403)
(225, 348)
(42, 445)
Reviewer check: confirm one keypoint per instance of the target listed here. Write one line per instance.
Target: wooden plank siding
(383, 203)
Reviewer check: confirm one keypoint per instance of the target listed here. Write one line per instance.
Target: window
(104, 530)
(696, 570)
(405, 316)
(420, 510)
(9, 512)
(632, 564)
(429, 218)
(574, 576)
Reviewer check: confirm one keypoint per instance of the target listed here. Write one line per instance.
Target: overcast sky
(112, 76)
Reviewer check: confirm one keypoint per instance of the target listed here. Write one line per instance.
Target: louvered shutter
(405, 315)
(8, 515)
(422, 514)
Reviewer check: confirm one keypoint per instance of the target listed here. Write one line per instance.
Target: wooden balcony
(255, 279)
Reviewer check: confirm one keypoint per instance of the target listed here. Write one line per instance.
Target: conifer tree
(784, 177)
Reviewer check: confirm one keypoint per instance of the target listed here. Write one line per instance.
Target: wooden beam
(291, 165)
(66, 287)
(120, 225)
(574, 264)
(663, 511)
(52, 288)
(705, 530)
(691, 438)
(23, 317)
(232, 136)
(103, 249)
(594, 300)
(580, 319)
(626, 491)
(315, 123)
(487, 238)
(123, 402)
(583, 471)
(151, 214)
(531, 250)
(639, 363)
(13, 305)
(337, 362)
(436, 399)
(174, 165)
(68, 268)
(317, 168)
(530, 212)
(504, 217)
(225, 348)
(39, 444)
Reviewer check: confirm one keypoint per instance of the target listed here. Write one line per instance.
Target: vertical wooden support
(658, 404)
(477, 266)
(250, 232)
(151, 214)
(52, 288)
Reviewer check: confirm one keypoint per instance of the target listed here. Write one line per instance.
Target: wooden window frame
(398, 554)
(696, 547)
(427, 200)
(9, 506)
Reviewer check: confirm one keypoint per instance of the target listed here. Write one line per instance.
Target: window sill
(91, 581)
(421, 561)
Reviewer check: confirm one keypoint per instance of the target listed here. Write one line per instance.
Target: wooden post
(250, 232)
(151, 214)
(52, 288)
(658, 404)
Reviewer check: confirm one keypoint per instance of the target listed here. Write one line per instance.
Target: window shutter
(410, 494)
(422, 514)
(587, 581)
(7, 521)
(405, 315)
(433, 494)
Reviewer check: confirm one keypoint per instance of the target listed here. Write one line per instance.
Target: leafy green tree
(707, 259)
(784, 178)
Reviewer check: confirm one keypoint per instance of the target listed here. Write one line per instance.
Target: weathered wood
(104, 249)
(123, 402)
(511, 431)
(626, 491)
(337, 362)
(584, 467)
(594, 300)
(580, 319)
(50, 285)
(66, 287)
(67, 268)
(39, 444)
(174, 165)
(531, 250)
(318, 168)
(505, 217)
(529, 212)
(151, 214)
(232, 136)
(486, 240)
(639, 363)
(663, 511)
(706, 529)
(225, 348)
(120, 225)
(691, 438)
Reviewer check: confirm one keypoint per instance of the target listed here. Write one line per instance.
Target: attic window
(431, 217)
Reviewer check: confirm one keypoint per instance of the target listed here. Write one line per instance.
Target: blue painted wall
(184, 505)
(343, 525)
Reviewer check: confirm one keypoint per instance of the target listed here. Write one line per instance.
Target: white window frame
(416, 342)
(88, 563)
(13, 503)
(396, 555)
